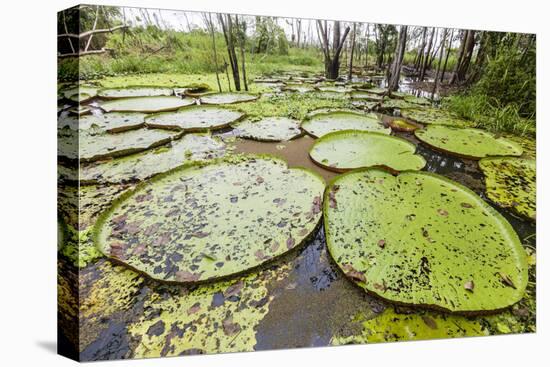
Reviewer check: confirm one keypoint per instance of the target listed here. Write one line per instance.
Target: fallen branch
(83, 53)
(89, 33)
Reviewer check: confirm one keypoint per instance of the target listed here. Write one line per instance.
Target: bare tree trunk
(447, 56)
(350, 71)
(464, 62)
(227, 28)
(210, 25)
(242, 46)
(332, 57)
(427, 56)
(395, 71)
(420, 54)
(436, 80)
(225, 66)
(367, 47)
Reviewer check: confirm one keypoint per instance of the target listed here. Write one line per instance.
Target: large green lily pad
(432, 116)
(349, 149)
(422, 239)
(137, 167)
(126, 92)
(146, 104)
(89, 147)
(269, 129)
(195, 118)
(511, 183)
(80, 94)
(467, 143)
(201, 223)
(321, 124)
(227, 98)
(109, 122)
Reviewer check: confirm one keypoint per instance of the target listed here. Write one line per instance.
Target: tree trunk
(350, 71)
(436, 80)
(227, 28)
(462, 67)
(242, 46)
(420, 53)
(210, 25)
(427, 56)
(393, 80)
(367, 47)
(447, 55)
(331, 56)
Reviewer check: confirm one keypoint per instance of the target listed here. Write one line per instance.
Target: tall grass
(490, 114)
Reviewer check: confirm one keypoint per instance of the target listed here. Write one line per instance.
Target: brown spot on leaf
(506, 280)
(469, 285)
(290, 242)
(466, 205)
(194, 309)
(230, 328)
(442, 212)
(233, 289)
(382, 243)
(429, 322)
(259, 254)
(354, 274)
(187, 276)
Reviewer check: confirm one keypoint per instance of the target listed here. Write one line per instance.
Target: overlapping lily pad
(137, 91)
(227, 98)
(88, 146)
(321, 124)
(268, 129)
(80, 94)
(110, 122)
(204, 222)
(137, 167)
(365, 95)
(349, 149)
(468, 142)
(423, 240)
(146, 104)
(432, 116)
(195, 118)
(511, 183)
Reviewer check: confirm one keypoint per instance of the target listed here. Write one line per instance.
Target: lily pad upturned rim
(100, 91)
(192, 129)
(396, 127)
(460, 155)
(330, 111)
(507, 226)
(101, 220)
(254, 97)
(361, 132)
(157, 110)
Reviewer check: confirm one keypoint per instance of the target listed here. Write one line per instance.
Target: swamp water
(301, 299)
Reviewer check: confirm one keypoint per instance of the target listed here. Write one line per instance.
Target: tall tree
(332, 54)
(227, 28)
(465, 56)
(367, 47)
(427, 56)
(442, 47)
(241, 37)
(350, 71)
(210, 25)
(450, 45)
(420, 54)
(393, 80)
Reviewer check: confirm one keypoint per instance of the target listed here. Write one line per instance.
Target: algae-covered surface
(283, 288)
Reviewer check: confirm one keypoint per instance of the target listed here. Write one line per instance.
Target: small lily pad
(321, 124)
(141, 91)
(268, 129)
(438, 236)
(402, 125)
(511, 183)
(349, 149)
(146, 104)
(110, 122)
(204, 222)
(467, 143)
(227, 98)
(140, 166)
(195, 118)
(90, 147)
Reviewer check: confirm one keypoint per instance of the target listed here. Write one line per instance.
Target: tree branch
(88, 33)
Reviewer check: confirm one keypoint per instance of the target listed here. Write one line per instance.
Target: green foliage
(489, 113)
(269, 38)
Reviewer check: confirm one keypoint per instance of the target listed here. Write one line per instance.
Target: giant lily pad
(127, 92)
(361, 95)
(349, 149)
(195, 118)
(269, 129)
(89, 147)
(205, 222)
(321, 124)
(511, 183)
(432, 116)
(424, 240)
(137, 167)
(227, 98)
(110, 122)
(417, 100)
(146, 104)
(467, 143)
(80, 94)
